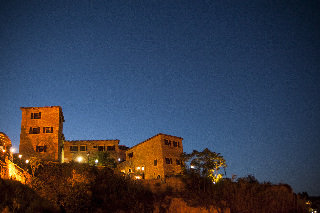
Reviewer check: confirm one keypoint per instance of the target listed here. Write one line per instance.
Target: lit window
(142, 168)
(138, 177)
(138, 168)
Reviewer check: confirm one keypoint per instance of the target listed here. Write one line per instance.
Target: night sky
(239, 77)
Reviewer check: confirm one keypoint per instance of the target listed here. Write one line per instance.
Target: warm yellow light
(27, 161)
(123, 171)
(79, 159)
(20, 156)
(192, 166)
(138, 177)
(12, 150)
(96, 161)
(3, 150)
(138, 168)
(142, 168)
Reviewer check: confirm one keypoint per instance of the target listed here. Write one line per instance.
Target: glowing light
(138, 177)
(79, 159)
(27, 161)
(138, 168)
(123, 171)
(142, 168)
(12, 150)
(20, 156)
(192, 166)
(119, 159)
(96, 161)
(3, 150)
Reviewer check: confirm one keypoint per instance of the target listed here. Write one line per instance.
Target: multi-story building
(89, 149)
(41, 133)
(155, 158)
(42, 136)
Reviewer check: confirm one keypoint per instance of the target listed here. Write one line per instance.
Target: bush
(16, 197)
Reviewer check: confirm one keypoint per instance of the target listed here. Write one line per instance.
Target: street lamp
(27, 161)
(20, 156)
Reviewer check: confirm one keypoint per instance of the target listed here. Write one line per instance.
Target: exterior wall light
(142, 168)
(138, 177)
(138, 168)
(27, 161)
(192, 166)
(96, 161)
(79, 159)
(119, 159)
(20, 156)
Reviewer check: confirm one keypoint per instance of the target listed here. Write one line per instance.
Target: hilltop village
(42, 137)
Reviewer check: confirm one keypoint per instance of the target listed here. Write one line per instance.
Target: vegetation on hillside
(79, 187)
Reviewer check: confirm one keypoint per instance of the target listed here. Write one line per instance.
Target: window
(83, 148)
(166, 142)
(36, 115)
(129, 170)
(101, 148)
(178, 162)
(34, 130)
(175, 143)
(47, 129)
(94, 146)
(155, 162)
(41, 148)
(73, 148)
(111, 148)
(130, 155)
(168, 160)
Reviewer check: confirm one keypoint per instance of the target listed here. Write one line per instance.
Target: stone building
(89, 149)
(5, 144)
(155, 158)
(42, 133)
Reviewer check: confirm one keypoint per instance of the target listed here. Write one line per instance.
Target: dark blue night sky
(239, 77)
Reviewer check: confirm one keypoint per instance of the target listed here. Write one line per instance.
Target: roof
(41, 107)
(154, 137)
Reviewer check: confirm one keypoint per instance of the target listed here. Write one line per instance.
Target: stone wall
(41, 133)
(90, 148)
(9, 170)
(153, 159)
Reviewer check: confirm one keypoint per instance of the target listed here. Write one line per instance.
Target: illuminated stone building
(155, 158)
(89, 149)
(42, 137)
(5, 143)
(41, 133)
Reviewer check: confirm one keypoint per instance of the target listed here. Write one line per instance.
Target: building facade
(86, 150)
(42, 137)
(155, 158)
(42, 133)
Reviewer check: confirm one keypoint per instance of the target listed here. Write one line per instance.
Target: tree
(104, 159)
(206, 164)
(35, 163)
